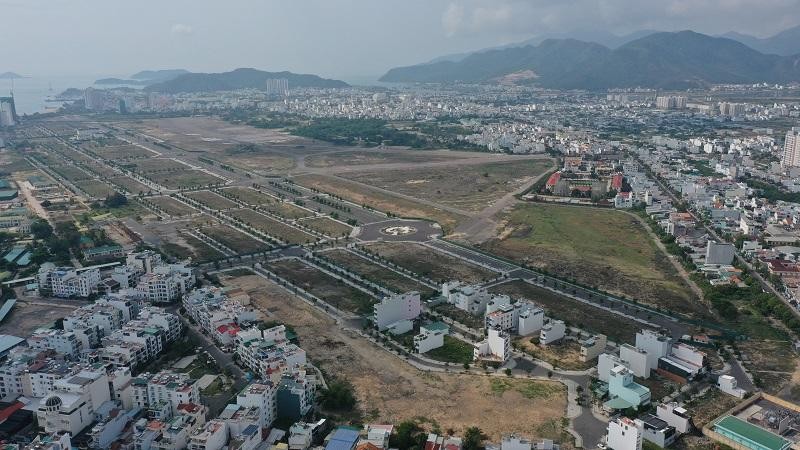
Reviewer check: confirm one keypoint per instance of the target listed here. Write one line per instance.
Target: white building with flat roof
(635, 359)
(625, 434)
(552, 332)
(396, 308)
(496, 347)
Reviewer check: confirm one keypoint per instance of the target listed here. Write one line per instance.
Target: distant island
(159, 75)
(10, 76)
(239, 79)
(144, 78)
(71, 93)
(122, 81)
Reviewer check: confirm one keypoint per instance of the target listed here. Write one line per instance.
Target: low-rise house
(553, 331)
(396, 308)
(728, 385)
(625, 434)
(658, 431)
(675, 415)
(430, 336)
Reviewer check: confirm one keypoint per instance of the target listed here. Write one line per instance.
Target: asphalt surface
(423, 231)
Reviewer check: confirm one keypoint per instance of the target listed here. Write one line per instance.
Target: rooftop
(758, 435)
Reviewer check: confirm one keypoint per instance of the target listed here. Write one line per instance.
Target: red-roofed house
(616, 182)
(553, 180)
(225, 334)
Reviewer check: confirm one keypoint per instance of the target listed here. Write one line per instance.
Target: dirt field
(566, 355)
(390, 391)
(122, 153)
(469, 187)
(603, 248)
(378, 200)
(375, 273)
(186, 246)
(25, 317)
(378, 156)
(427, 262)
(773, 364)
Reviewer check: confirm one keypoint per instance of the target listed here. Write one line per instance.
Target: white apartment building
(605, 363)
(430, 336)
(728, 385)
(163, 393)
(67, 282)
(65, 343)
(520, 317)
(552, 332)
(72, 404)
(396, 308)
(791, 149)
(213, 436)
(269, 353)
(471, 299)
(592, 347)
(166, 283)
(625, 434)
(261, 395)
(654, 344)
(675, 415)
(496, 347)
(636, 360)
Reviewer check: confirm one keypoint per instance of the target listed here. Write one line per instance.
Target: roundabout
(410, 230)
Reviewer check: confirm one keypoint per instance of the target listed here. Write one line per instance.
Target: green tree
(408, 435)
(41, 229)
(338, 397)
(473, 438)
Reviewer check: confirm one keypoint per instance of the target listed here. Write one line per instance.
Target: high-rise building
(732, 109)
(277, 86)
(94, 99)
(671, 102)
(791, 149)
(8, 114)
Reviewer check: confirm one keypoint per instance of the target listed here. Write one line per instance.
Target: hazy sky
(337, 38)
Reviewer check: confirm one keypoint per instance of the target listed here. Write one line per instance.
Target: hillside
(660, 60)
(10, 76)
(159, 75)
(238, 79)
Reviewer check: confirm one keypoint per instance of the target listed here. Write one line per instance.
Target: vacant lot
(188, 246)
(573, 312)
(211, 200)
(328, 226)
(471, 187)
(234, 239)
(566, 355)
(171, 206)
(129, 184)
(375, 273)
(772, 363)
(272, 227)
(379, 156)
(324, 286)
(453, 351)
(390, 391)
(157, 165)
(267, 202)
(24, 317)
(607, 249)
(430, 263)
(95, 189)
(184, 179)
(122, 153)
(363, 195)
(250, 196)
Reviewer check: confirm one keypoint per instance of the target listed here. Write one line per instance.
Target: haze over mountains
(669, 60)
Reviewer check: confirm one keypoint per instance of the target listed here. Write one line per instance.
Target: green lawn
(608, 249)
(453, 351)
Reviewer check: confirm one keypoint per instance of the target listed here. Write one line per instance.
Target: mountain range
(238, 79)
(10, 76)
(667, 60)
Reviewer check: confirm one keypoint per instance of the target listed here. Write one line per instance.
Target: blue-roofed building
(7, 342)
(623, 392)
(25, 259)
(343, 438)
(14, 253)
(6, 308)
